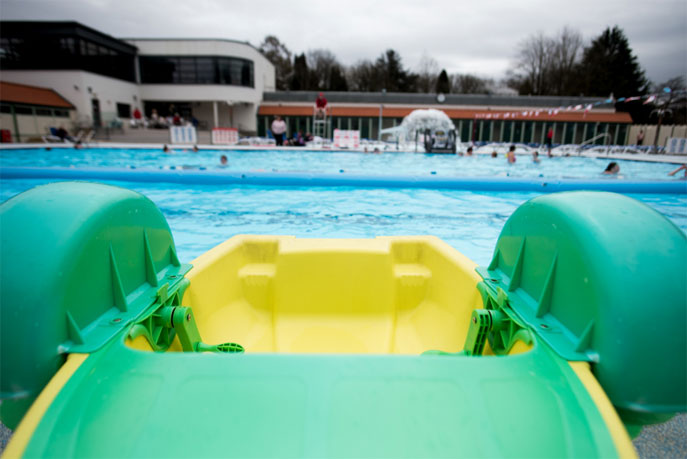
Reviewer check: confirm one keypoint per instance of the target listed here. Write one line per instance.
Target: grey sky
(463, 36)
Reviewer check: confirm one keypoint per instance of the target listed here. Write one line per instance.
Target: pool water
(202, 216)
(333, 162)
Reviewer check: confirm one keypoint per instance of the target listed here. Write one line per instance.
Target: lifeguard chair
(322, 123)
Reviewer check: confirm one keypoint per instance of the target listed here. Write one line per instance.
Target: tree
(326, 71)
(443, 84)
(428, 69)
(394, 77)
(337, 81)
(565, 62)
(300, 79)
(531, 73)
(609, 67)
(471, 84)
(670, 106)
(280, 56)
(547, 65)
(364, 76)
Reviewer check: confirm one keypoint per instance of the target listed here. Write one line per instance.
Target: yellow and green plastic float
(274, 346)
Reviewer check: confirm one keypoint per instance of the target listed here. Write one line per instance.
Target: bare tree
(428, 71)
(567, 53)
(470, 84)
(535, 56)
(364, 76)
(548, 65)
(326, 71)
(279, 55)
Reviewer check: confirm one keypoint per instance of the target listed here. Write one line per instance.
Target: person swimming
(535, 157)
(223, 161)
(612, 168)
(510, 156)
(681, 168)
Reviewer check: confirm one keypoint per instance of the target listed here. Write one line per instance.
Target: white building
(216, 83)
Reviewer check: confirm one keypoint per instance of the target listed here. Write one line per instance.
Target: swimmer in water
(469, 152)
(223, 161)
(681, 168)
(612, 168)
(510, 156)
(165, 149)
(535, 157)
(494, 154)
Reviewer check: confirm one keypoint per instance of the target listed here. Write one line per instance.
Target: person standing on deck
(549, 141)
(278, 130)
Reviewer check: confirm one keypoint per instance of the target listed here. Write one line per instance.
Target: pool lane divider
(294, 179)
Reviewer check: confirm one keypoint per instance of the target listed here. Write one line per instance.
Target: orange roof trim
(31, 95)
(454, 113)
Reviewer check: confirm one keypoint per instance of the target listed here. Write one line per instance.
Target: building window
(49, 47)
(21, 110)
(196, 70)
(123, 110)
(61, 113)
(4, 108)
(43, 112)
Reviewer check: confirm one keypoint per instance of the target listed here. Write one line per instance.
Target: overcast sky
(479, 37)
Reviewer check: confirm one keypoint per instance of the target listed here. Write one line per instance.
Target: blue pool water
(201, 216)
(296, 160)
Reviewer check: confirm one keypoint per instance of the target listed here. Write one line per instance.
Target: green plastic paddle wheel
(601, 277)
(80, 262)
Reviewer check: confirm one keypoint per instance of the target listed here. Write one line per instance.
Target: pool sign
(346, 139)
(676, 146)
(182, 134)
(225, 136)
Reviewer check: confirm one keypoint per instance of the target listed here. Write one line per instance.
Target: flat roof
(498, 100)
(548, 114)
(228, 40)
(31, 95)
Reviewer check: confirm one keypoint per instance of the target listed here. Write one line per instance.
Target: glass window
(23, 110)
(91, 49)
(156, 69)
(196, 70)
(4, 108)
(186, 70)
(61, 113)
(205, 70)
(123, 110)
(43, 112)
(224, 70)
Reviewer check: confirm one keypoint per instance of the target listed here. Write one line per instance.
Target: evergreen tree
(337, 80)
(300, 80)
(393, 77)
(443, 83)
(608, 66)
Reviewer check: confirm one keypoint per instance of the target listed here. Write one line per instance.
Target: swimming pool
(202, 216)
(332, 162)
